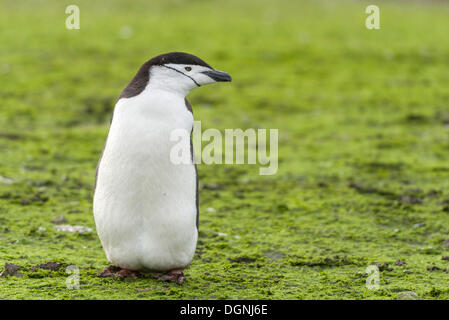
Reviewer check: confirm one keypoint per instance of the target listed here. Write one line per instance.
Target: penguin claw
(126, 273)
(113, 271)
(109, 271)
(172, 276)
(175, 275)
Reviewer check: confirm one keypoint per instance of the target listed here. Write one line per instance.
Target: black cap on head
(178, 58)
(140, 80)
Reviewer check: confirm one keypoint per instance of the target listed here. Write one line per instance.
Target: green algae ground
(363, 118)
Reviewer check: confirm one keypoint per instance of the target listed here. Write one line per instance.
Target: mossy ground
(363, 120)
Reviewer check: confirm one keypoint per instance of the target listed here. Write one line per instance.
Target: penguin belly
(144, 205)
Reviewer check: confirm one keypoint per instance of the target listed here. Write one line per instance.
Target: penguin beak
(218, 76)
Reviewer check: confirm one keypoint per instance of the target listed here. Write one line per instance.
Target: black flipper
(189, 107)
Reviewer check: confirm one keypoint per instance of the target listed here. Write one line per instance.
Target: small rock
(446, 243)
(243, 260)
(445, 258)
(419, 225)
(59, 220)
(407, 295)
(400, 262)
(410, 199)
(10, 270)
(384, 266)
(212, 186)
(221, 234)
(433, 268)
(74, 229)
(212, 210)
(53, 266)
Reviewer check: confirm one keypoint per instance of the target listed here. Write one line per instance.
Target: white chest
(144, 205)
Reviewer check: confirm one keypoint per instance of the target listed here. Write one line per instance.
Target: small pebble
(400, 262)
(59, 220)
(74, 229)
(433, 268)
(419, 225)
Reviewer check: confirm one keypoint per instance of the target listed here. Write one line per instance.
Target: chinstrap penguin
(145, 207)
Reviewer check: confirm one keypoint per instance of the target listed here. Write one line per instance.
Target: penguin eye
(188, 68)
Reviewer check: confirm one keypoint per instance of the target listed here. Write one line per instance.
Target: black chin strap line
(183, 74)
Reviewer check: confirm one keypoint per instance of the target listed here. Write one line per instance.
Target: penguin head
(178, 72)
